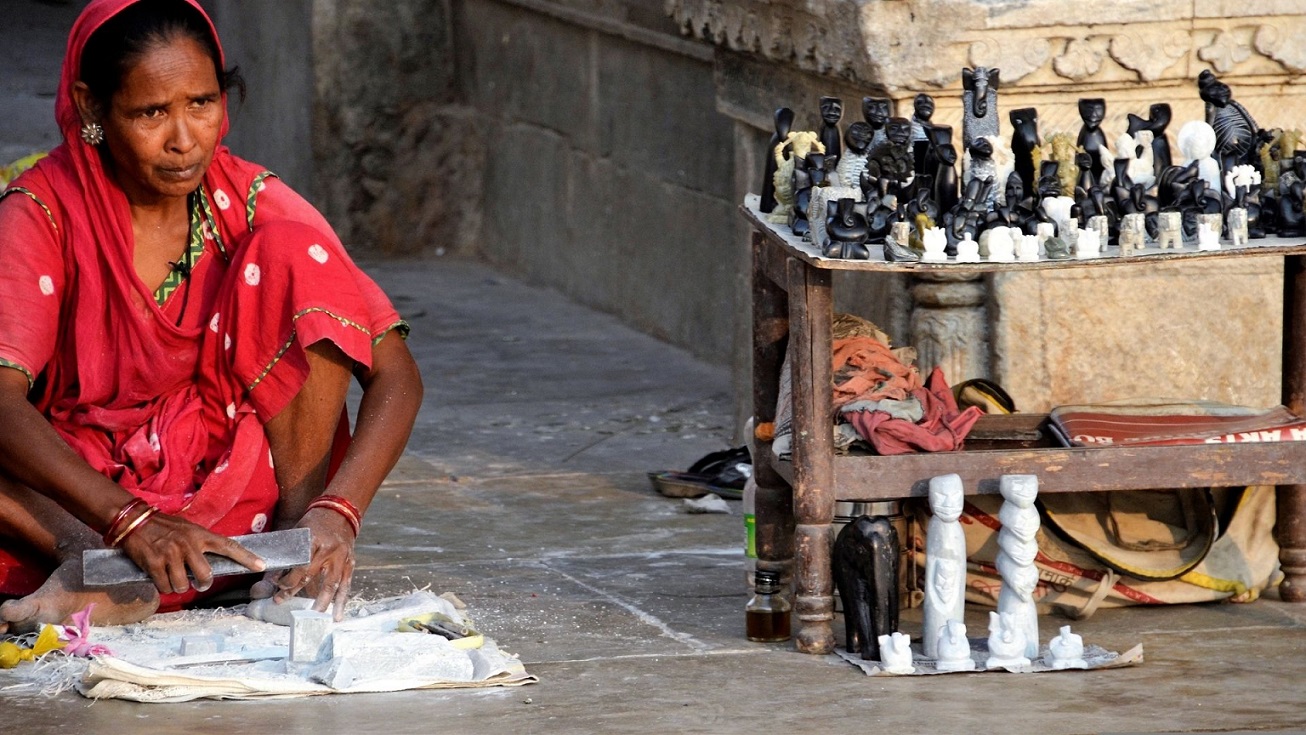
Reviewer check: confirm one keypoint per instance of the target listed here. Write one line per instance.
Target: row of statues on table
(865, 565)
(904, 172)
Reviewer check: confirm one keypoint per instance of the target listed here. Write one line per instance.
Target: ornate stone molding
(903, 45)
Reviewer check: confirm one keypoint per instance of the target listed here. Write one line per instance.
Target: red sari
(167, 392)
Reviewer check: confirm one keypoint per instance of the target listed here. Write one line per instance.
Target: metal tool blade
(277, 549)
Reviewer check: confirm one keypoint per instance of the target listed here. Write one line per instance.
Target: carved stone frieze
(1282, 42)
(1150, 53)
(903, 45)
(1225, 52)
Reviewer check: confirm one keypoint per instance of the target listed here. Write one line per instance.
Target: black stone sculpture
(1156, 121)
(1024, 141)
(1237, 137)
(784, 121)
(922, 111)
(1290, 219)
(941, 164)
(1132, 198)
(831, 114)
(979, 96)
(866, 570)
(1092, 111)
(892, 162)
(846, 232)
(875, 110)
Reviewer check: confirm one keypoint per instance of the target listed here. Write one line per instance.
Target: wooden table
(792, 309)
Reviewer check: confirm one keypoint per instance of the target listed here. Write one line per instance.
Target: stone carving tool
(278, 549)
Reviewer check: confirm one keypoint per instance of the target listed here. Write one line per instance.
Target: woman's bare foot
(63, 594)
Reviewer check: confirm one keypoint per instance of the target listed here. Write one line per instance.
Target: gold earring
(92, 133)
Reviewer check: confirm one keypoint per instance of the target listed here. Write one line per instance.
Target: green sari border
(31, 379)
(20, 190)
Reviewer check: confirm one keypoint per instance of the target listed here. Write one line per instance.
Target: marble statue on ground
(1017, 549)
(945, 560)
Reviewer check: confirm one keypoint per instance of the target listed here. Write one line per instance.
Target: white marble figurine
(1197, 143)
(1171, 235)
(1237, 226)
(1208, 237)
(1088, 243)
(945, 560)
(999, 244)
(936, 244)
(1133, 233)
(968, 250)
(1066, 651)
(954, 648)
(895, 653)
(1017, 549)
(1006, 643)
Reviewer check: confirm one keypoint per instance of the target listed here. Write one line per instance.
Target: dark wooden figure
(1024, 141)
(866, 571)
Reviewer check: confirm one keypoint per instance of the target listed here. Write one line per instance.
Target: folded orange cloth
(867, 370)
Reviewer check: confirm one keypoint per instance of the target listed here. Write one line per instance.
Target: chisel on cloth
(278, 549)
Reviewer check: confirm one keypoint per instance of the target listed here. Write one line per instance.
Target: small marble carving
(1136, 149)
(967, 250)
(1197, 143)
(1170, 230)
(1056, 248)
(895, 654)
(1066, 651)
(309, 631)
(945, 560)
(1006, 643)
(788, 154)
(1156, 122)
(1057, 210)
(1237, 222)
(1132, 232)
(936, 244)
(954, 648)
(999, 244)
(1027, 248)
(1044, 230)
(1100, 224)
(1208, 230)
(1017, 549)
(1088, 243)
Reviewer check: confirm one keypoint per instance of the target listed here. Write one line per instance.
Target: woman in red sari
(178, 330)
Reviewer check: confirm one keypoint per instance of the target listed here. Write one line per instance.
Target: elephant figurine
(866, 570)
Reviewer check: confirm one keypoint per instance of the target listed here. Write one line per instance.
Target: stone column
(949, 324)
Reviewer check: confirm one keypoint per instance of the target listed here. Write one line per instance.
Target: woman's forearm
(392, 396)
(34, 455)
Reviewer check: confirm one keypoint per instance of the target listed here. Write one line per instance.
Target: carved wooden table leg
(810, 316)
(1291, 499)
(774, 500)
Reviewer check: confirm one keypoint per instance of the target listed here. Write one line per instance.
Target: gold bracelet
(135, 524)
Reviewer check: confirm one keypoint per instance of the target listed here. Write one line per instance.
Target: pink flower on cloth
(78, 636)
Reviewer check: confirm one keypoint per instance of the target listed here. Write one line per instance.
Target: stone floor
(524, 492)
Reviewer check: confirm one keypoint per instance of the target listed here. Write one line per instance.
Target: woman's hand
(327, 576)
(167, 546)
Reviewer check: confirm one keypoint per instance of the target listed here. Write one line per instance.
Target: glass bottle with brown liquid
(766, 617)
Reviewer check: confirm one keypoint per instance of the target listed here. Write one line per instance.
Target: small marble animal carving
(1066, 651)
(895, 653)
(954, 648)
(1170, 233)
(936, 243)
(1006, 642)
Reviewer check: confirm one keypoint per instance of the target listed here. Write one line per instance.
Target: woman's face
(163, 124)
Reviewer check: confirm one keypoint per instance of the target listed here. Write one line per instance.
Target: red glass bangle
(342, 506)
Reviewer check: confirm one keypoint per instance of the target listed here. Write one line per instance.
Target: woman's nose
(182, 139)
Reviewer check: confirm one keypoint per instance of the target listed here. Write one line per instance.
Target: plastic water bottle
(750, 530)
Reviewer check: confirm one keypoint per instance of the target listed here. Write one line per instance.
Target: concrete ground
(524, 492)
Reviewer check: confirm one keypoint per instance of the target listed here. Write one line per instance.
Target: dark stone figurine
(1237, 137)
(1091, 138)
(875, 110)
(922, 111)
(846, 233)
(831, 114)
(784, 122)
(941, 162)
(866, 570)
(892, 162)
(1158, 117)
(979, 97)
(1024, 141)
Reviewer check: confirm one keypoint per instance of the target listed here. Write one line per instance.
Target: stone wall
(400, 157)
(609, 174)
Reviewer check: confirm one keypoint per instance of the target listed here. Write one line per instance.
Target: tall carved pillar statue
(945, 561)
(1017, 549)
